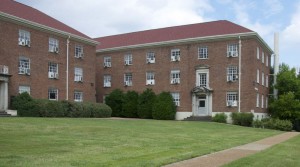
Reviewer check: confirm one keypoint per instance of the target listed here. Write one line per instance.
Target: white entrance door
(202, 106)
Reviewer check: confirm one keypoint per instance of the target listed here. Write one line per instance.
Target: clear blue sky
(108, 17)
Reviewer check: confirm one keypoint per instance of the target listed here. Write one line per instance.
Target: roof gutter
(214, 37)
(12, 18)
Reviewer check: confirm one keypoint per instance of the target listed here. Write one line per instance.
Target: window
(257, 76)
(262, 78)
(128, 79)
(267, 102)
(267, 81)
(23, 89)
(150, 80)
(232, 50)
(203, 79)
(24, 38)
(257, 53)
(24, 65)
(79, 51)
(232, 74)
(107, 81)
(53, 94)
(175, 55)
(150, 57)
(78, 74)
(263, 57)
(176, 98)
(175, 77)
(262, 101)
(257, 100)
(267, 60)
(78, 96)
(107, 62)
(128, 59)
(53, 45)
(202, 52)
(53, 70)
(231, 99)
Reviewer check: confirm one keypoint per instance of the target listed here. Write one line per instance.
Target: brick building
(198, 64)
(43, 57)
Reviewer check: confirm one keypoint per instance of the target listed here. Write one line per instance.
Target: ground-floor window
(128, 79)
(53, 94)
(232, 98)
(176, 98)
(78, 96)
(23, 89)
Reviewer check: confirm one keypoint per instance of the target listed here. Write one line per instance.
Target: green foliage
(242, 118)
(97, 110)
(20, 100)
(130, 105)
(145, 102)
(164, 107)
(284, 125)
(220, 117)
(115, 101)
(48, 108)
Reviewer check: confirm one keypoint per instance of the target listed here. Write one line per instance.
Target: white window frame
(78, 96)
(128, 79)
(262, 101)
(267, 60)
(203, 52)
(79, 51)
(53, 45)
(24, 66)
(175, 54)
(231, 99)
(263, 57)
(267, 81)
(78, 74)
(107, 61)
(232, 50)
(51, 92)
(203, 79)
(107, 81)
(24, 38)
(262, 78)
(267, 101)
(128, 59)
(176, 98)
(150, 57)
(175, 77)
(257, 76)
(52, 70)
(257, 99)
(232, 73)
(24, 88)
(150, 78)
(257, 53)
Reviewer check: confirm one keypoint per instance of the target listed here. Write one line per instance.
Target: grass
(107, 142)
(284, 154)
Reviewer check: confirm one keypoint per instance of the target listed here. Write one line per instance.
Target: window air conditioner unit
(50, 74)
(27, 43)
(55, 49)
(21, 41)
(127, 83)
(107, 64)
(80, 55)
(229, 103)
(27, 71)
(234, 103)
(78, 78)
(150, 82)
(177, 58)
(229, 78)
(126, 63)
(173, 58)
(235, 77)
(107, 84)
(56, 75)
(175, 81)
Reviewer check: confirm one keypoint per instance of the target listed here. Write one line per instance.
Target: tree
(130, 105)
(145, 103)
(115, 101)
(164, 107)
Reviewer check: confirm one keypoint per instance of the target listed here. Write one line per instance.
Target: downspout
(67, 70)
(240, 71)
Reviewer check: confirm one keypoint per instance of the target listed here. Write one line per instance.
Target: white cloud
(274, 7)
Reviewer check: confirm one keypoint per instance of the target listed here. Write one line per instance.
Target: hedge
(273, 123)
(242, 118)
(115, 101)
(220, 117)
(145, 103)
(164, 107)
(130, 105)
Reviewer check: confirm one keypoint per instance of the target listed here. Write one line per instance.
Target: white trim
(182, 115)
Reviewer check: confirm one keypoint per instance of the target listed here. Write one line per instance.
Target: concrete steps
(199, 118)
(4, 114)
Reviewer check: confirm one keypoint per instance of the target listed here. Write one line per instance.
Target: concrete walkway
(225, 156)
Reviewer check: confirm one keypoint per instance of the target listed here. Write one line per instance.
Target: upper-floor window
(232, 74)
(257, 100)
(53, 94)
(78, 74)
(257, 53)
(150, 57)
(267, 81)
(24, 65)
(23, 89)
(53, 70)
(128, 59)
(257, 76)
(263, 57)
(150, 79)
(107, 61)
(79, 51)
(24, 38)
(231, 99)
(267, 60)
(78, 96)
(176, 98)
(232, 50)
(262, 78)
(202, 52)
(203, 79)
(262, 101)
(107, 80)
(175, 55)
(175, 77)
(53, 45)
(267, 101)
(128, 79)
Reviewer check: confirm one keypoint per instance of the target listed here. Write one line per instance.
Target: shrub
(115, 101)
(220, 117)
(130, 105)
(242, 119)
(20, 100)
(164, 107)
(145, 102)
(97, 110)
(29, 109)
(284, 125)
(257, 123)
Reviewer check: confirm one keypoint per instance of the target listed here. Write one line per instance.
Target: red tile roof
(214, 28)
(28, 13)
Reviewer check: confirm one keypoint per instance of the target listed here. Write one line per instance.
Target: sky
(97, 18)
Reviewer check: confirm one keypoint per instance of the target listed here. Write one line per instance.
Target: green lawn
(284, 154)
(106, 142)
